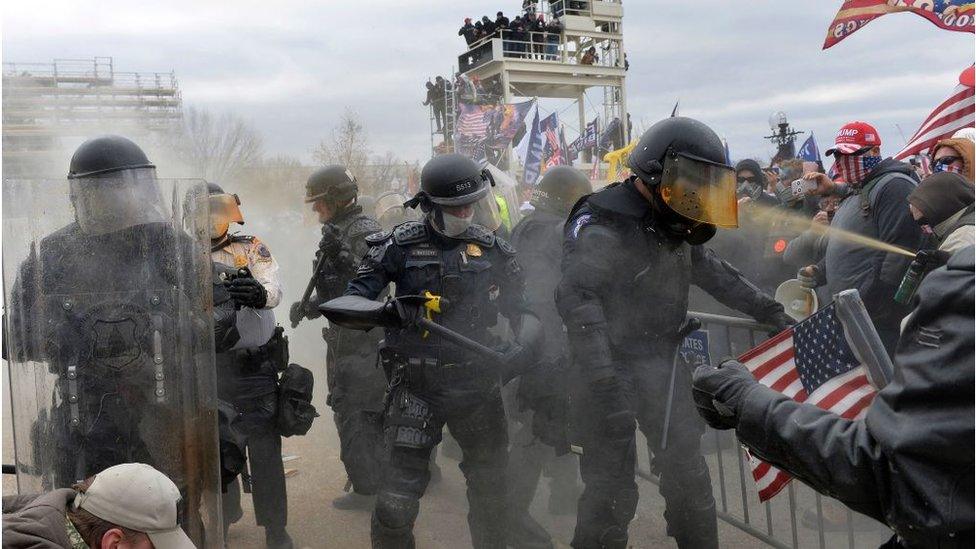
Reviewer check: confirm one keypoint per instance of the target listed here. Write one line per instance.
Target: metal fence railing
(798, 516)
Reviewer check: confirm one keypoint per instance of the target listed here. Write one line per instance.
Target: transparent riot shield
(109, 335)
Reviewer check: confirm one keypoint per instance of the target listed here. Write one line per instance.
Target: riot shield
(109, 335)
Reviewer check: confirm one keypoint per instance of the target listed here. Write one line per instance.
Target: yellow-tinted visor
(700, 190)
(224, 210)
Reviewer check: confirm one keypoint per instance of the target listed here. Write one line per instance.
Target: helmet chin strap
(220, 242)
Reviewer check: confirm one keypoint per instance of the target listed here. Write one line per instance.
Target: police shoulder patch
(264, 254)
(363, 225)
(479, 235)
(505, 247)
(576, 225)
(410, 232)
(378, 237)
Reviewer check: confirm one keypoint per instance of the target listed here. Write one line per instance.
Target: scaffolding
(44, 103)
(587, 53)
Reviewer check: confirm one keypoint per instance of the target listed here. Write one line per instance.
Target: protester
(501, 22)
(488, 25)
(128, 505)
(589, 57)
(751, 183)
(468, 31)
(873, 206)
(954, 155)
(909, 462)
(554, 30)
(943, 205)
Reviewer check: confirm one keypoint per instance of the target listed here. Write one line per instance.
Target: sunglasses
(947, 160)
(745, 179)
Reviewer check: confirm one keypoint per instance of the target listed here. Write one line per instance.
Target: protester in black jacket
(467, 31)
(501, 22)
(909, 462)
(488, 25)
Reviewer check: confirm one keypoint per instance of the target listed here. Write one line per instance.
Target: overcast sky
(292, 67)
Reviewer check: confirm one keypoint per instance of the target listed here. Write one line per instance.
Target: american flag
(953, 114)
(473, 122)
(809, 362)
(854, 168)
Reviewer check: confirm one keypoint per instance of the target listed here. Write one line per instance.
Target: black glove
(719, 392)
(331, 243)
(296, 314)
(247, 292)
(779, 321)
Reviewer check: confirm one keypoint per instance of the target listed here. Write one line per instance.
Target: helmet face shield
(700, 190)
(224, 210)
(117, 200)
(486, 212)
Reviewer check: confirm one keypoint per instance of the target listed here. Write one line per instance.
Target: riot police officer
(109, 340)
(434, 382)
(355, 384)
(630, 253)
(390, 211)
(538, 238)
(247, 374)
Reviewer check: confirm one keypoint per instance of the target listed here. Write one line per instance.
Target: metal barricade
(798, 516)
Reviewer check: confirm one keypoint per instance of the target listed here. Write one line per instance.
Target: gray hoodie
(37, 520)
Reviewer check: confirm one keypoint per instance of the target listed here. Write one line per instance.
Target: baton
(689, 326)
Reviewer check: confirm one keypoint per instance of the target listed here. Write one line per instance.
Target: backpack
(295, 410)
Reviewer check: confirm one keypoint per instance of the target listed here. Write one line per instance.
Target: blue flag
(809, 151)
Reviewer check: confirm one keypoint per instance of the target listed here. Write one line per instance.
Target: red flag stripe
(760, 470)
(770, 365)
(959, 94)
(766, 345)
(941, 133)
(960, 109)
(834, 396)
(857, 408)
(785, 381)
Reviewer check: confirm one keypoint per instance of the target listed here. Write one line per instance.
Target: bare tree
(347, 146)
(215, 147)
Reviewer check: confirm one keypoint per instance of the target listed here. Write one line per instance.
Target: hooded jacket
(965, 148)
(37, 520)
(877, 210)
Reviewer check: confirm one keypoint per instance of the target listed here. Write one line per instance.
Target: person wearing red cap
(467, 31)
(874, 192)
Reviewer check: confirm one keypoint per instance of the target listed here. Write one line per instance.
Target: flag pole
(863, 337)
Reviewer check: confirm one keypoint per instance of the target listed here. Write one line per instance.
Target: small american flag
(809, 362)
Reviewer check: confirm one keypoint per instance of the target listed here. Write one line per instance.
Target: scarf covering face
(947, 168)
(855, 168)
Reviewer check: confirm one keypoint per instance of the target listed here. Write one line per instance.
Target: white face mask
(454, 226)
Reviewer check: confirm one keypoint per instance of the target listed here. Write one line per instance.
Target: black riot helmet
(683, 162)
(560, 188)
(451, 180)
(333, 183)
(106, 154)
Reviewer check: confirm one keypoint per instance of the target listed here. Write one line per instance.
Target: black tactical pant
(472, 410)
(267, 472)
(356, 388)
(608, 464)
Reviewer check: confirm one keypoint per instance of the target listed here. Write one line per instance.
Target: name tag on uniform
(423, 252)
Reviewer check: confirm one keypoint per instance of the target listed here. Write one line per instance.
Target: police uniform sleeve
(265, 270)
(909, 462)
(507, 273)
(587, 276)
(378, 268)
(726, 284)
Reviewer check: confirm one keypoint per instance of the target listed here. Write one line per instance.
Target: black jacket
(624, 289)
(538, 238)
(909, 462)
(467, 31)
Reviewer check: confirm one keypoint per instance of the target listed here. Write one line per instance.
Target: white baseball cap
(138, 497)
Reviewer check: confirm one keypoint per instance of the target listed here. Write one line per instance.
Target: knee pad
(396, 511)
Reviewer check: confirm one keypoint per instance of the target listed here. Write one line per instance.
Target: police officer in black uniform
(630, 253)
(355, 383)
(539, 239)
(434, 382)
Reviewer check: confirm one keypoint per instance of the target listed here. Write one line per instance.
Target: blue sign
(694, 349)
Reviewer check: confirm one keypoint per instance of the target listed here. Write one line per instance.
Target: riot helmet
(683, 163)
(225, 209)
(560, 188)
(454, 183)
(335, 184)
(112, 186)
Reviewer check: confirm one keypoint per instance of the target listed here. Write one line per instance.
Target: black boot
(277, 538)
(525, 533)
(354, 502)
